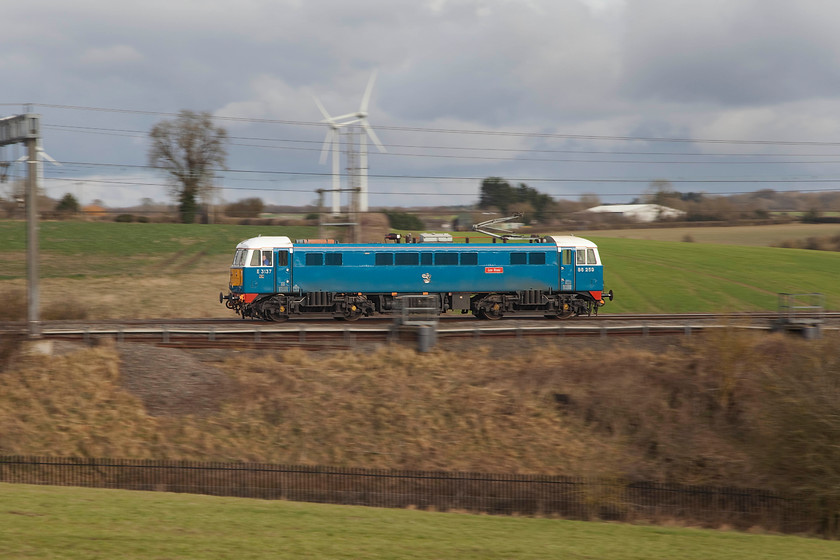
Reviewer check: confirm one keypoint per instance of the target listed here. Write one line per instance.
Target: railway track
(322, 333)
(327, 320)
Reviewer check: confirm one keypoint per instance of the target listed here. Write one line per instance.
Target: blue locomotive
(272, 278)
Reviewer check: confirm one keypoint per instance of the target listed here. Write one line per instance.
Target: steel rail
(444, 318)
(317, 336)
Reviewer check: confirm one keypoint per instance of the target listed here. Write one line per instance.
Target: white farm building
(638, 212)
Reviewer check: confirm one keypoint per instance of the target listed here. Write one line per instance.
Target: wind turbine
(359, 118)
(41, 155)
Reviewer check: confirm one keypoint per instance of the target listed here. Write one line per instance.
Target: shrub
(245, 208)
(404, 220)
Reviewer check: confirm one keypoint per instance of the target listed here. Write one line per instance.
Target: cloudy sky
(568, 96)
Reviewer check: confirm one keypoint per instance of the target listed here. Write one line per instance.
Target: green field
(762, 236)
(82, 523)
(84, 249)
(647, 275)
(666, 277)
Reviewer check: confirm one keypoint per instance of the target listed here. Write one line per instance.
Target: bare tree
(589, 200)
(190, 148)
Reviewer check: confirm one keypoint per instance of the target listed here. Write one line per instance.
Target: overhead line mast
(26, 129)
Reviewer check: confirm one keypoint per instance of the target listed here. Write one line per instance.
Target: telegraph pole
(320, 213)
(32, 253)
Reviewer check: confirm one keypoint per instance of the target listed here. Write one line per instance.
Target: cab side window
(580, 256)
(567, 256)
(255, 259)
(266, 258)
(590, 256)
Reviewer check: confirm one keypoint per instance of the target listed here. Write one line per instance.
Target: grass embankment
(116, 270)
(55, 522)
(706, 410)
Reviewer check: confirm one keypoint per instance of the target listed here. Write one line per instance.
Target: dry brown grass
(824, 243)
(682, 410)
(192, 295)
(14, 302)
(71, 405)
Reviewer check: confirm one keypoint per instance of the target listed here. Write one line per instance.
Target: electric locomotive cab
(581, 269)
(261, 265)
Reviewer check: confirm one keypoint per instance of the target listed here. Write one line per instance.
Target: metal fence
(537, 495)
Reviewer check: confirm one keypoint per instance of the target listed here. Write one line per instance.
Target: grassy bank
(76, 523)
(705, 410)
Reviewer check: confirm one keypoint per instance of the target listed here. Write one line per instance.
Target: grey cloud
(732, 53)
(717, 68)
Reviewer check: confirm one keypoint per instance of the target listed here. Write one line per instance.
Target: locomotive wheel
(563, 313)
(560, 314)
(352, 314)
(493, 313)
(276, 316)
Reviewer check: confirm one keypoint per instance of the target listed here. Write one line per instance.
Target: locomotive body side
(421, 268)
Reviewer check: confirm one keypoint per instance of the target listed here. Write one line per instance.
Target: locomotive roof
(571, 241)
(263, 242)
(266, 241)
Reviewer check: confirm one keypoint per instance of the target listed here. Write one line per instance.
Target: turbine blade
(372, 135)
(327, 116)
(368, 90)
(48, 157)
(326, 147)
(347, 116)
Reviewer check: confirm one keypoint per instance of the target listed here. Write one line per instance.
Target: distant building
(638, 212)
(93, 211)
